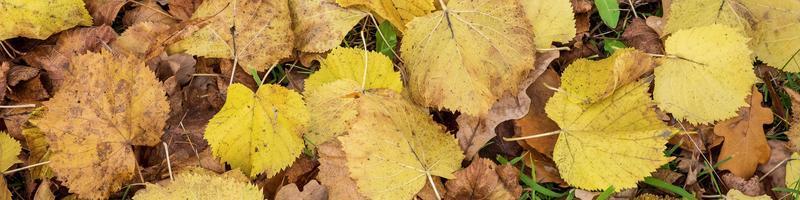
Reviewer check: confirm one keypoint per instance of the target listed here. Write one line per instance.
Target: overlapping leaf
(40, 19)
(209, 186)
(37, 145)
(745, 144)
(320, 25)
(552, 21)
(589, 81)
(9, 150)
(398, 12)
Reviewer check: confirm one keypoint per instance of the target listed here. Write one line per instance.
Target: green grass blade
(658, 183)
(606, 193)
(538, 188)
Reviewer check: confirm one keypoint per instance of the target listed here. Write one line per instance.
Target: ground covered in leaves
(399, 99)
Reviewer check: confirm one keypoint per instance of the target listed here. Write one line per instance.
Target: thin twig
(26, 167)
(366, 62)
(169, 164)
(19, 106)
(430, 179)
(532, 136)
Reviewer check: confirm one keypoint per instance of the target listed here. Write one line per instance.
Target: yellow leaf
(552, 20)
(466, 57)
(332, 108)
(9, 150)
(794, 127)
(616, 141)
(320, 25)
(394, 146)
(398, 12)
(686, 14)
(37, 145)
(589, 81)
(263, 35)
(105, 106)
(793, 171)
(258, 132)
(206, 186)
(776, 41)
(734, 194)
(40, 19)
(348, 63)
(709, 76)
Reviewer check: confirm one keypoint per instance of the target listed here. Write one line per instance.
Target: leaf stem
(532, 136)
(169, 164)
(554, 49)
(20, 106)
(430, 179)
(26, 167)
(366, 61)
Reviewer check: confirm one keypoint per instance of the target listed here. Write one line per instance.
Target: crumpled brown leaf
(698, 138)
(104, 11)
(148, 11)
(333, 172)
(4, 67)
(183, 9)
(474, 132)
(775, 168)
(44, 192)
(484, 180)
(750, 187)
(427, 192)
(20, 73)
(745, 143)
(312, 191)
(137, 39)
(642, 37)
(536, 121)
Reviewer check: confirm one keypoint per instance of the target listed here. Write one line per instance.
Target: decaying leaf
(106, 105)
(793, 171)
(183, 9)
(147, 11)
(104, 11)
(536, 121)
(484, 180)
(40, 19)
(137, 39)
(5, 194)
(9, 150)
(208, 186)
(333, 172)
(262, 32)
(44, 192)
(398, 12)
(37, 145)
(794, 129)
(737, 195)
(588, 81)
(465, 58)
(745, 145)
(643, 37)
(552, 20)
(394, 147)
(710, 58)
(258, 132)
(593, 141)
(312, 191)
(320, 25)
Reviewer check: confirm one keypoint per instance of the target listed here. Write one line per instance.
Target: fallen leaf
(737, 195)
(588, 81)
(687, 14)
(32, 90)
(259, 132)
(750, 187)
(348, 63)
(9, 151)
(794, 128)
(745, 145)
(552, 21)
(656, 24)
(44, 192)
(137, 39)
(19, 73)
(546, 170)
(625, 119)
(793, 171)
(710, 58)
(485, 49)
(697, 139)
(775, 39)
(333, 172)
(420, 148)
(36, 141)
(148, 11)
(536, 121)
(36, 19)
(4, 67)
(312, 191)
(104, 11)
(427, 192)
(106, 105)
(640, 36)
(193, 185)
(483, 180)
(320, 25)
(298, 170)
(183, 9)
(262, 37)
(474, 132)
(775, 170)
(4, 192)
(398, 12)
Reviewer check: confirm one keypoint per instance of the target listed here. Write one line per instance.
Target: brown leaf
(536, 121)
(656, 24)
(4, 67)
(484, 180)
(427, 192)
(474, 132)
(104, 11)
(137, 39)
(642, 37)
(44, 192)
(183, 9)
(751, 187)
(794, 129)
(32, 90)
(546, 170)
(696, 138)
(312, 191)
(745, 143)
(582, 6)
(299, 169)
(55, 58)
(20, 73)
(148, 11)
(333, 172)
(775, 169)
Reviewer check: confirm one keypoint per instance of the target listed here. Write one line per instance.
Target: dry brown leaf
(642, 37)
(474, 132)
(750, 187)
(104, 11)
(775, 167)
(183, 9)
(137, 39)
(44, 192)
(696, 138)
(55, 58)
(4, 67)
(546, 169)
(484, 180)
(794, 129)
(657, 24)
(106, 105)
(745, 143)
(148, 11)
(32, 90)
(20, 73)
(427, 192)
(312, 191)
(536, 121)
(333, 172)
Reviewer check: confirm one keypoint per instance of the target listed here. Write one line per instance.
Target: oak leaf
(320, 25)
(745, 145)
(262, 33)
(312, 191)
(552, 20)
(466, 57)
(710, 58)
(484, 180)
(394, 146)
(37, 19)
(588, 81)
(625, 119)
(397, 12)
(106, 105)
(207, 186)
(258, 132)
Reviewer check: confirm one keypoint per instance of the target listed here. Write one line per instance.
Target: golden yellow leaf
(348, 63)
(9, 150)
(588, 81)
(686, 14)
(258, 132)
(394, 147)
(734, 194)
(332, 109)
(745, 144)
(37, 145)
(398, 12)
(775, 38)
(464, 58)
(5, 194)
(552, 20)
(106, 105)
(320, 25)
(40, 19)
(616, 141)
(263, 32)
(708, 77)
(206, 186)
(793, 171)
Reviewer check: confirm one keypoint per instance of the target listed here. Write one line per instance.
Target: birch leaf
(552, 20)
(589, 81)
(686, 14)
(206, 186)
(40, 19)
(9, 150)
(793, 171)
